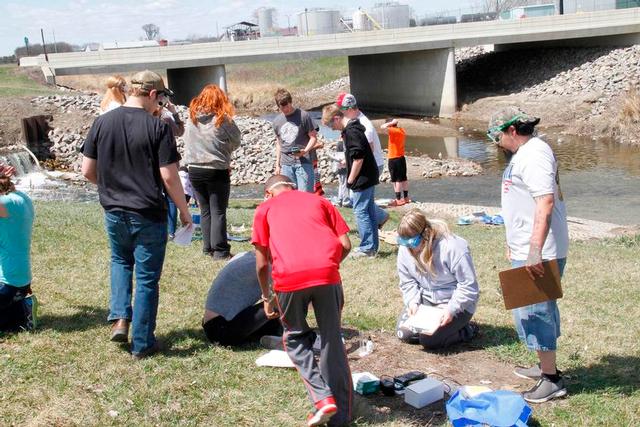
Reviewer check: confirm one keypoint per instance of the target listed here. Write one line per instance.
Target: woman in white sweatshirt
(435, 269)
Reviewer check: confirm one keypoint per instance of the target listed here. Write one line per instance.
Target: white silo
(312, 22)
(392, 15)
(361, 21)
(265, 21)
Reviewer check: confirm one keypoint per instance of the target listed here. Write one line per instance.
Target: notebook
(427, 318)
(518, 290)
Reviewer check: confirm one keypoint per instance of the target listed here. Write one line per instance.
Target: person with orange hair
(115, 95)
(210, 137)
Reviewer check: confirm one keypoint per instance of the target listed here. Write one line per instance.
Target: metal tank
(312, 22)
(392, 15)
(361, 21)
(265, 21)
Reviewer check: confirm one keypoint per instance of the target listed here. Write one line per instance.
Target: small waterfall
(20, 160)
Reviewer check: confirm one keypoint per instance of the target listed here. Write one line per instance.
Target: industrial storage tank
(392, 15)
(265, 21)
(312, 22)
(361, 21)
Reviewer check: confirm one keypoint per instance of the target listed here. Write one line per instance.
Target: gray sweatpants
(333, 376)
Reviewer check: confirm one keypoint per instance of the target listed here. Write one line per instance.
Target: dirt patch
(468, 364)
(12, 109)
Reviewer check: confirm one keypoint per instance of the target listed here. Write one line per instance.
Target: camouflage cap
(509, 116)
(148, 81)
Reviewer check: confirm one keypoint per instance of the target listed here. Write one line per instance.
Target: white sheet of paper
(426, 318)
(184, 235)
(275, 359)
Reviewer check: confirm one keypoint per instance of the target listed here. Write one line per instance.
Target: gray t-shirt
(236, 287)
(293, 130)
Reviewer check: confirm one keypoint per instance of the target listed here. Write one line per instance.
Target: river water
(600, 180)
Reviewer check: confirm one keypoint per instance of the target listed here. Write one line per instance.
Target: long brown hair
(114, 92)
(415, 222)
(6, 186)
(212, 100)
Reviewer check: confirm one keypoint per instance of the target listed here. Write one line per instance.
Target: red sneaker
(325, 409)
(396, 203)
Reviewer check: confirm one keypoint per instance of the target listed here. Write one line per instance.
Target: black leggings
(453, 333)
(12, 312)
(248, 325)
(212, 188)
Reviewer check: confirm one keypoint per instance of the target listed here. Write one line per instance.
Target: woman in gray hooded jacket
(435, 270)
(210, 137)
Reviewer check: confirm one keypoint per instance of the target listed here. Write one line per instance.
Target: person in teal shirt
(17, 304)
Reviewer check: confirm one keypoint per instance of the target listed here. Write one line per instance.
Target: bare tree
(152, 31)
(500, 6)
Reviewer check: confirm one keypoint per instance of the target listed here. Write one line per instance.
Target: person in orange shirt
(397, 162)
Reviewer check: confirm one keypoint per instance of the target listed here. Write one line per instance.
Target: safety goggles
(495, 133)
(410, 242)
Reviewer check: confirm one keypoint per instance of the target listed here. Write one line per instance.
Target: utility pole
(44, 46)
(26, 44)
(306, 20)
(55, 44)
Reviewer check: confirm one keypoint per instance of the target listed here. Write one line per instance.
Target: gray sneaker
(361, 254)
(532, 373)
(545, 390)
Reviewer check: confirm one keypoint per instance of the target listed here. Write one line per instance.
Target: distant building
(241, 31)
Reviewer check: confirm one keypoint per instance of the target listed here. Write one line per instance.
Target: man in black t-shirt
(133, 159)
(362, 177)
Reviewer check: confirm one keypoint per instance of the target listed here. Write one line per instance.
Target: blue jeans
(364, 209)
(538, 325)
(136, 242)
(301, 174)
(172, 216)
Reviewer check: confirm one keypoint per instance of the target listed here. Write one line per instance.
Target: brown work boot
(120, 330)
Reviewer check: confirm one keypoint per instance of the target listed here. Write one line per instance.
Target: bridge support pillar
(188, 82)
(419, 82)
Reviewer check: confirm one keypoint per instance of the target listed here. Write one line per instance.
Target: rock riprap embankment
(87, 102)
(594, 75)
(252, 163)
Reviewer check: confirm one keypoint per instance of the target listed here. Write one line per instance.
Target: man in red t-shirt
(305, 239)
(397, 162)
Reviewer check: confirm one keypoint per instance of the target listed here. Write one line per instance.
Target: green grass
(68, 373)
(294, 74)
(13, 83)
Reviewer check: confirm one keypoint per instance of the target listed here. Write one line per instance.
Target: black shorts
(398, 169)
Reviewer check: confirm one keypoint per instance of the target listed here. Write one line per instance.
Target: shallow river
(600, 181)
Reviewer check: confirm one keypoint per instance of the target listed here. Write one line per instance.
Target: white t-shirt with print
(533, 172)
(372, 137)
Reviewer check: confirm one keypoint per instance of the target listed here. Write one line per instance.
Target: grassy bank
(14, 83)
(68, 373)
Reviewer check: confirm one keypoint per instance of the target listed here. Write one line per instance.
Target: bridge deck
(558, 27)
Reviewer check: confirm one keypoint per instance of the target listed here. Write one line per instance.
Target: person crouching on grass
(18, 306)
(435, 269)
(305, 239)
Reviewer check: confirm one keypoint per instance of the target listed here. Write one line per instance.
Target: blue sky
(80, 21)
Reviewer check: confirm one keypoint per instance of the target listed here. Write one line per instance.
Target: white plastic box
(424, 392)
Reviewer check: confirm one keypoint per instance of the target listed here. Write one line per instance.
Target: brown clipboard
(518, 290)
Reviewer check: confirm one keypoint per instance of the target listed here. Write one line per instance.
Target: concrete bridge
(409, 70)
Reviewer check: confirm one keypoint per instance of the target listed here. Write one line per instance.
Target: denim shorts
(538, 325)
